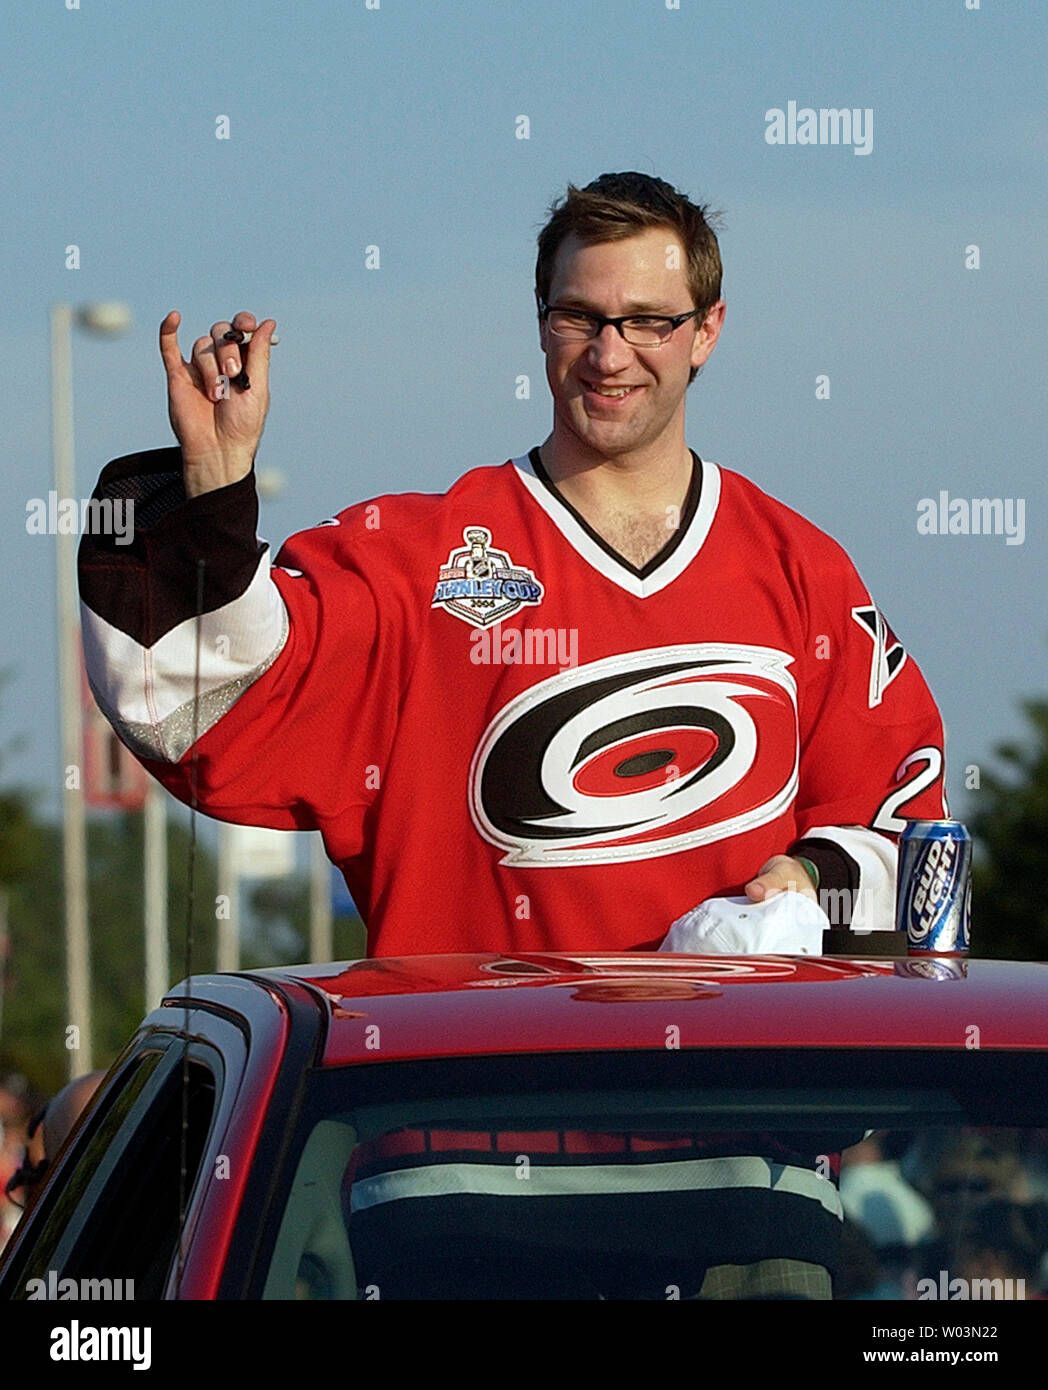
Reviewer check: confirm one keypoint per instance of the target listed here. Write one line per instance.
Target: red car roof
(445, 1006)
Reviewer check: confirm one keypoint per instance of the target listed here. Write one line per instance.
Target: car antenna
(188, 957)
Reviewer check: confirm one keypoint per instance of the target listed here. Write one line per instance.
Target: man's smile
(611, 391)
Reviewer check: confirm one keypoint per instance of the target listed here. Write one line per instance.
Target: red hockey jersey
(510, 737)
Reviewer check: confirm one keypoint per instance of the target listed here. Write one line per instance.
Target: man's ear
(706, 337)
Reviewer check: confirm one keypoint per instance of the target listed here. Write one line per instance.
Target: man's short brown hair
(616, 206)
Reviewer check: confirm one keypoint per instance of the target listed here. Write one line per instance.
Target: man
(556, 707)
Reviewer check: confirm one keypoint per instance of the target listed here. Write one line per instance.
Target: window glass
(113, 1229)
(132, 1234)
(107, 1122)
(777, 1186)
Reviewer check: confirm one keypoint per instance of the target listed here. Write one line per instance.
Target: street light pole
(78, 1038)
(108, 319)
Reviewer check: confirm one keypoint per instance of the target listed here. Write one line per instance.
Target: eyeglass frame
(27, 1174)
(602, 321)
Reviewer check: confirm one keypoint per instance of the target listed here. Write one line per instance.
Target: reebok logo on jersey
(889, 655)
(483, 586)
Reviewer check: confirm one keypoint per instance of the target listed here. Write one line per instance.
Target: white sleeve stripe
(146, 692)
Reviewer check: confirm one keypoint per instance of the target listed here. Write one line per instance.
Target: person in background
(46, 1132)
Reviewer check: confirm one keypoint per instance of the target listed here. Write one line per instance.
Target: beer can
(934, 890)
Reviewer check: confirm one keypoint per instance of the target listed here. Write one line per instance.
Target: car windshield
(765, 1174)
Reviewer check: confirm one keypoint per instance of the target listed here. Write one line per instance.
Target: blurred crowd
(930, 1213)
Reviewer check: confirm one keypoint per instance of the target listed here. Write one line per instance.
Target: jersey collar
(697, 515)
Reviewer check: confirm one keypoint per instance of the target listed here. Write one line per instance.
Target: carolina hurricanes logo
(642, 754)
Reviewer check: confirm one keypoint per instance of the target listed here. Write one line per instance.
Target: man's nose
(609, 350)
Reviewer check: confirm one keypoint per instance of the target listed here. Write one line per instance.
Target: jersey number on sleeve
(886, 817)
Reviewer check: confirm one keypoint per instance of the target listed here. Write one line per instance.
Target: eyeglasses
(639, 330)
(27, 1174)
(25, 1177)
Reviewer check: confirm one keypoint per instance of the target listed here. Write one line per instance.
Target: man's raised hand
(217, 424)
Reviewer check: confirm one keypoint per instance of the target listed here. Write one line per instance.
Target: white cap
(787, 924)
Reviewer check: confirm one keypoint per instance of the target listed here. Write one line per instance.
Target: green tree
(32, 1040)
(34, 1020)
(1010, 825)
(20, 848)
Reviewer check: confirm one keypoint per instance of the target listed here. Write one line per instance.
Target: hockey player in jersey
(557, 706)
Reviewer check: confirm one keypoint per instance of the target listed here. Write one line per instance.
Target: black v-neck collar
(691, 506)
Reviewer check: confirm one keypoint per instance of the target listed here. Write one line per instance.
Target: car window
(61, 1205)
(764, 1179)
(114, 1226)
(132, 1233)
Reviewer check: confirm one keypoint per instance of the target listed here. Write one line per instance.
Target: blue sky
(397, 126)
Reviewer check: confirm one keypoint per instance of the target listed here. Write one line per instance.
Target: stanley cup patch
(482, 586)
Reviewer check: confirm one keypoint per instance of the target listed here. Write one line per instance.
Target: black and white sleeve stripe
(857, 871)
(139, 602)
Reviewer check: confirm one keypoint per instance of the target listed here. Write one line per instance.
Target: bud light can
(933, 898)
